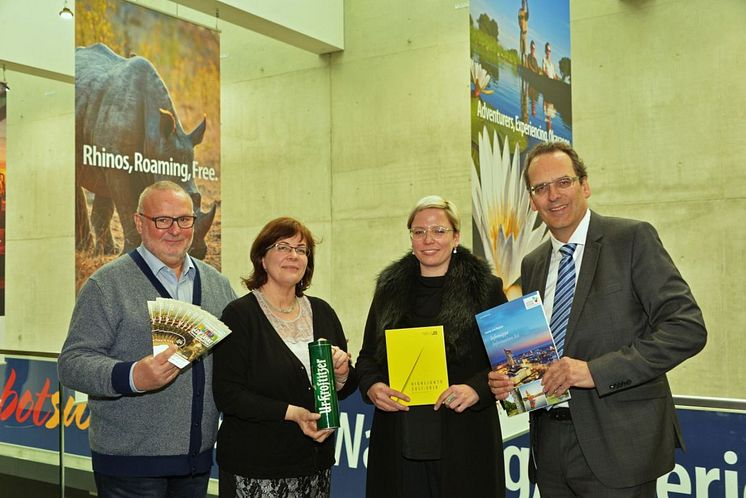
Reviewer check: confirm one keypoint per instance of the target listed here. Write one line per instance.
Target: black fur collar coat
(469, 289)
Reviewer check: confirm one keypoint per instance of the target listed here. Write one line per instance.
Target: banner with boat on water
(520, 93)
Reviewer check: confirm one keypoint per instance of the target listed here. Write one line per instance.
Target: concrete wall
(658, 106)
(348, 142)
(39, 251)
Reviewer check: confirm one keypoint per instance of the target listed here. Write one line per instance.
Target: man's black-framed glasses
(165, 222)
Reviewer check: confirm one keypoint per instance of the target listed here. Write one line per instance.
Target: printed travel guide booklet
(190, 328)
(417, 363)
(520, 344)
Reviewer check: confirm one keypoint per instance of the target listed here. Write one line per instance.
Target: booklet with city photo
(417, 363)
(520, 344)
(190, 328)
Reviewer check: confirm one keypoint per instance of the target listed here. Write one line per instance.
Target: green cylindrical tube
(324, 389)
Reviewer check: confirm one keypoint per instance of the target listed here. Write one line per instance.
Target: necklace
(289, 309)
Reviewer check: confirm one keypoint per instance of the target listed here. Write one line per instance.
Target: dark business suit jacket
(633, 319)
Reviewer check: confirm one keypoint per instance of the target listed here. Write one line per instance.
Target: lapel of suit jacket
(587, 270)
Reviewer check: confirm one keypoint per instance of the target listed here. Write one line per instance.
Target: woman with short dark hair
(268, 444)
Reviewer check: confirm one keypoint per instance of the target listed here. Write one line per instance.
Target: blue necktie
(563, 295)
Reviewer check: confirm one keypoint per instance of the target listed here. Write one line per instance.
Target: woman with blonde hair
(454, 447)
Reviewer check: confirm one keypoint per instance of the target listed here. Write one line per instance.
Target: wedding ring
(451, 397)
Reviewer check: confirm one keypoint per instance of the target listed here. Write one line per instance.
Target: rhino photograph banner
(147, 108)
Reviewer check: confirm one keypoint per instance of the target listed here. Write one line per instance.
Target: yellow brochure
(417, 363)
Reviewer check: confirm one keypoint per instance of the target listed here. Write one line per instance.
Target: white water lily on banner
(501, 209)
(480, 78)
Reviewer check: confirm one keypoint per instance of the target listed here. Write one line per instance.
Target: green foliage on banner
(489, 50)
(488, 26)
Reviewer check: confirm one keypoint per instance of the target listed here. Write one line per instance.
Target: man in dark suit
(632, 319)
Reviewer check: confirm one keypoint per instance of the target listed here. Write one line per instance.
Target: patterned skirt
(314, 486)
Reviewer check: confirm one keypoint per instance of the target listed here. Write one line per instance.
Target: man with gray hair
(153, 426)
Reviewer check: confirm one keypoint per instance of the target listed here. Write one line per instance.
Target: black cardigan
(256, 377)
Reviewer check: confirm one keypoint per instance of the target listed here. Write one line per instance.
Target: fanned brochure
(519, 343)
(417, 363)
(190, 328)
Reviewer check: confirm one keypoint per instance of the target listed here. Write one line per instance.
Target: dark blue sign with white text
(714, 465)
